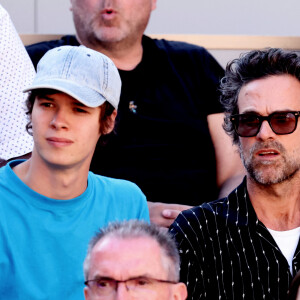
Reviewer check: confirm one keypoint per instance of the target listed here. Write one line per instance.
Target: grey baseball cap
(85, 74)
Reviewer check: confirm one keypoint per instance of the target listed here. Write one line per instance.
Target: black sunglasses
(248, 125)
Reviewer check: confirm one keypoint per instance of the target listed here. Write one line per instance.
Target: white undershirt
(287, 242)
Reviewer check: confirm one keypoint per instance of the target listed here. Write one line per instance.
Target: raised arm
(230, 170)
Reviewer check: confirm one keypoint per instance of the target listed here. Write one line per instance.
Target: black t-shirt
(161, 140)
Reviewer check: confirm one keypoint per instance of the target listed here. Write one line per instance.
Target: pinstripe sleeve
(191, 247)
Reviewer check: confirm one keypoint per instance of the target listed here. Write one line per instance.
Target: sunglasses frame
(234, 119)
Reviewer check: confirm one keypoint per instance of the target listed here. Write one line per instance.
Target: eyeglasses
(248, 125)
(104, 286)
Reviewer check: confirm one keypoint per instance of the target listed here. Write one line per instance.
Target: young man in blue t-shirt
(51, 205)
(170, 140)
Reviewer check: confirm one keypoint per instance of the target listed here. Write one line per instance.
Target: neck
(126, 55)
(277, 206)
(53, 182)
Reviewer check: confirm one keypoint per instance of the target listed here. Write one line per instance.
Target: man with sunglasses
(133, 260)
(246, 246)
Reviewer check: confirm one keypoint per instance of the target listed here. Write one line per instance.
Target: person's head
(72, 102)
(264, 83)
(106, 116)
(253, 65)
(115, 21)
(133, 260)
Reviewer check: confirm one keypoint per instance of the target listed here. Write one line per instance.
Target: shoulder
(63, 41)
(211, 217)
(3, 171)
(9, 183)
(200, 215)
(6, 170)
(191, 59)
(36, 51)
(206, 221)
(4, 17)
(176, 48)
(116, 186)
(109, 181)
(121, 199)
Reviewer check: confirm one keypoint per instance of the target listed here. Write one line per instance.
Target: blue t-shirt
(43, 241)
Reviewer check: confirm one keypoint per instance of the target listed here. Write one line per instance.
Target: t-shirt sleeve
(144, 211)
(124, 200)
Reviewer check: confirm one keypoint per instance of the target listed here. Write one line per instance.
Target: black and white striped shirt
(227, 253)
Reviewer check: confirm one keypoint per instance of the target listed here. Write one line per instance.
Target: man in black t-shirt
(169, 137)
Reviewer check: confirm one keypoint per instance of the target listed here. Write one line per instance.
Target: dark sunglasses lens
(283, 123)
(247, 125)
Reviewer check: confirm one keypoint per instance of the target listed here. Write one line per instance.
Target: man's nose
(59, 119)
(122, 292)
(265, 131)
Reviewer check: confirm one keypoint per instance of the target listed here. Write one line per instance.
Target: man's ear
(110, 122)
(86, 293)
(179, 291)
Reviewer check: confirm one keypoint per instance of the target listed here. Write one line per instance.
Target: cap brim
(83, 94)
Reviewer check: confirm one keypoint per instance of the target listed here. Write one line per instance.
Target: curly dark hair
(250, 66)
(106, 111)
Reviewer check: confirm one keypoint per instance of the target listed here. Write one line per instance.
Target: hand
(164, 214)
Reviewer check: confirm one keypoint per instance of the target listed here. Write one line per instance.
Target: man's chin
(108, 35)
(271, 176)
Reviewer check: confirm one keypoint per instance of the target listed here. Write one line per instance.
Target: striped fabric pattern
(227, 253)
